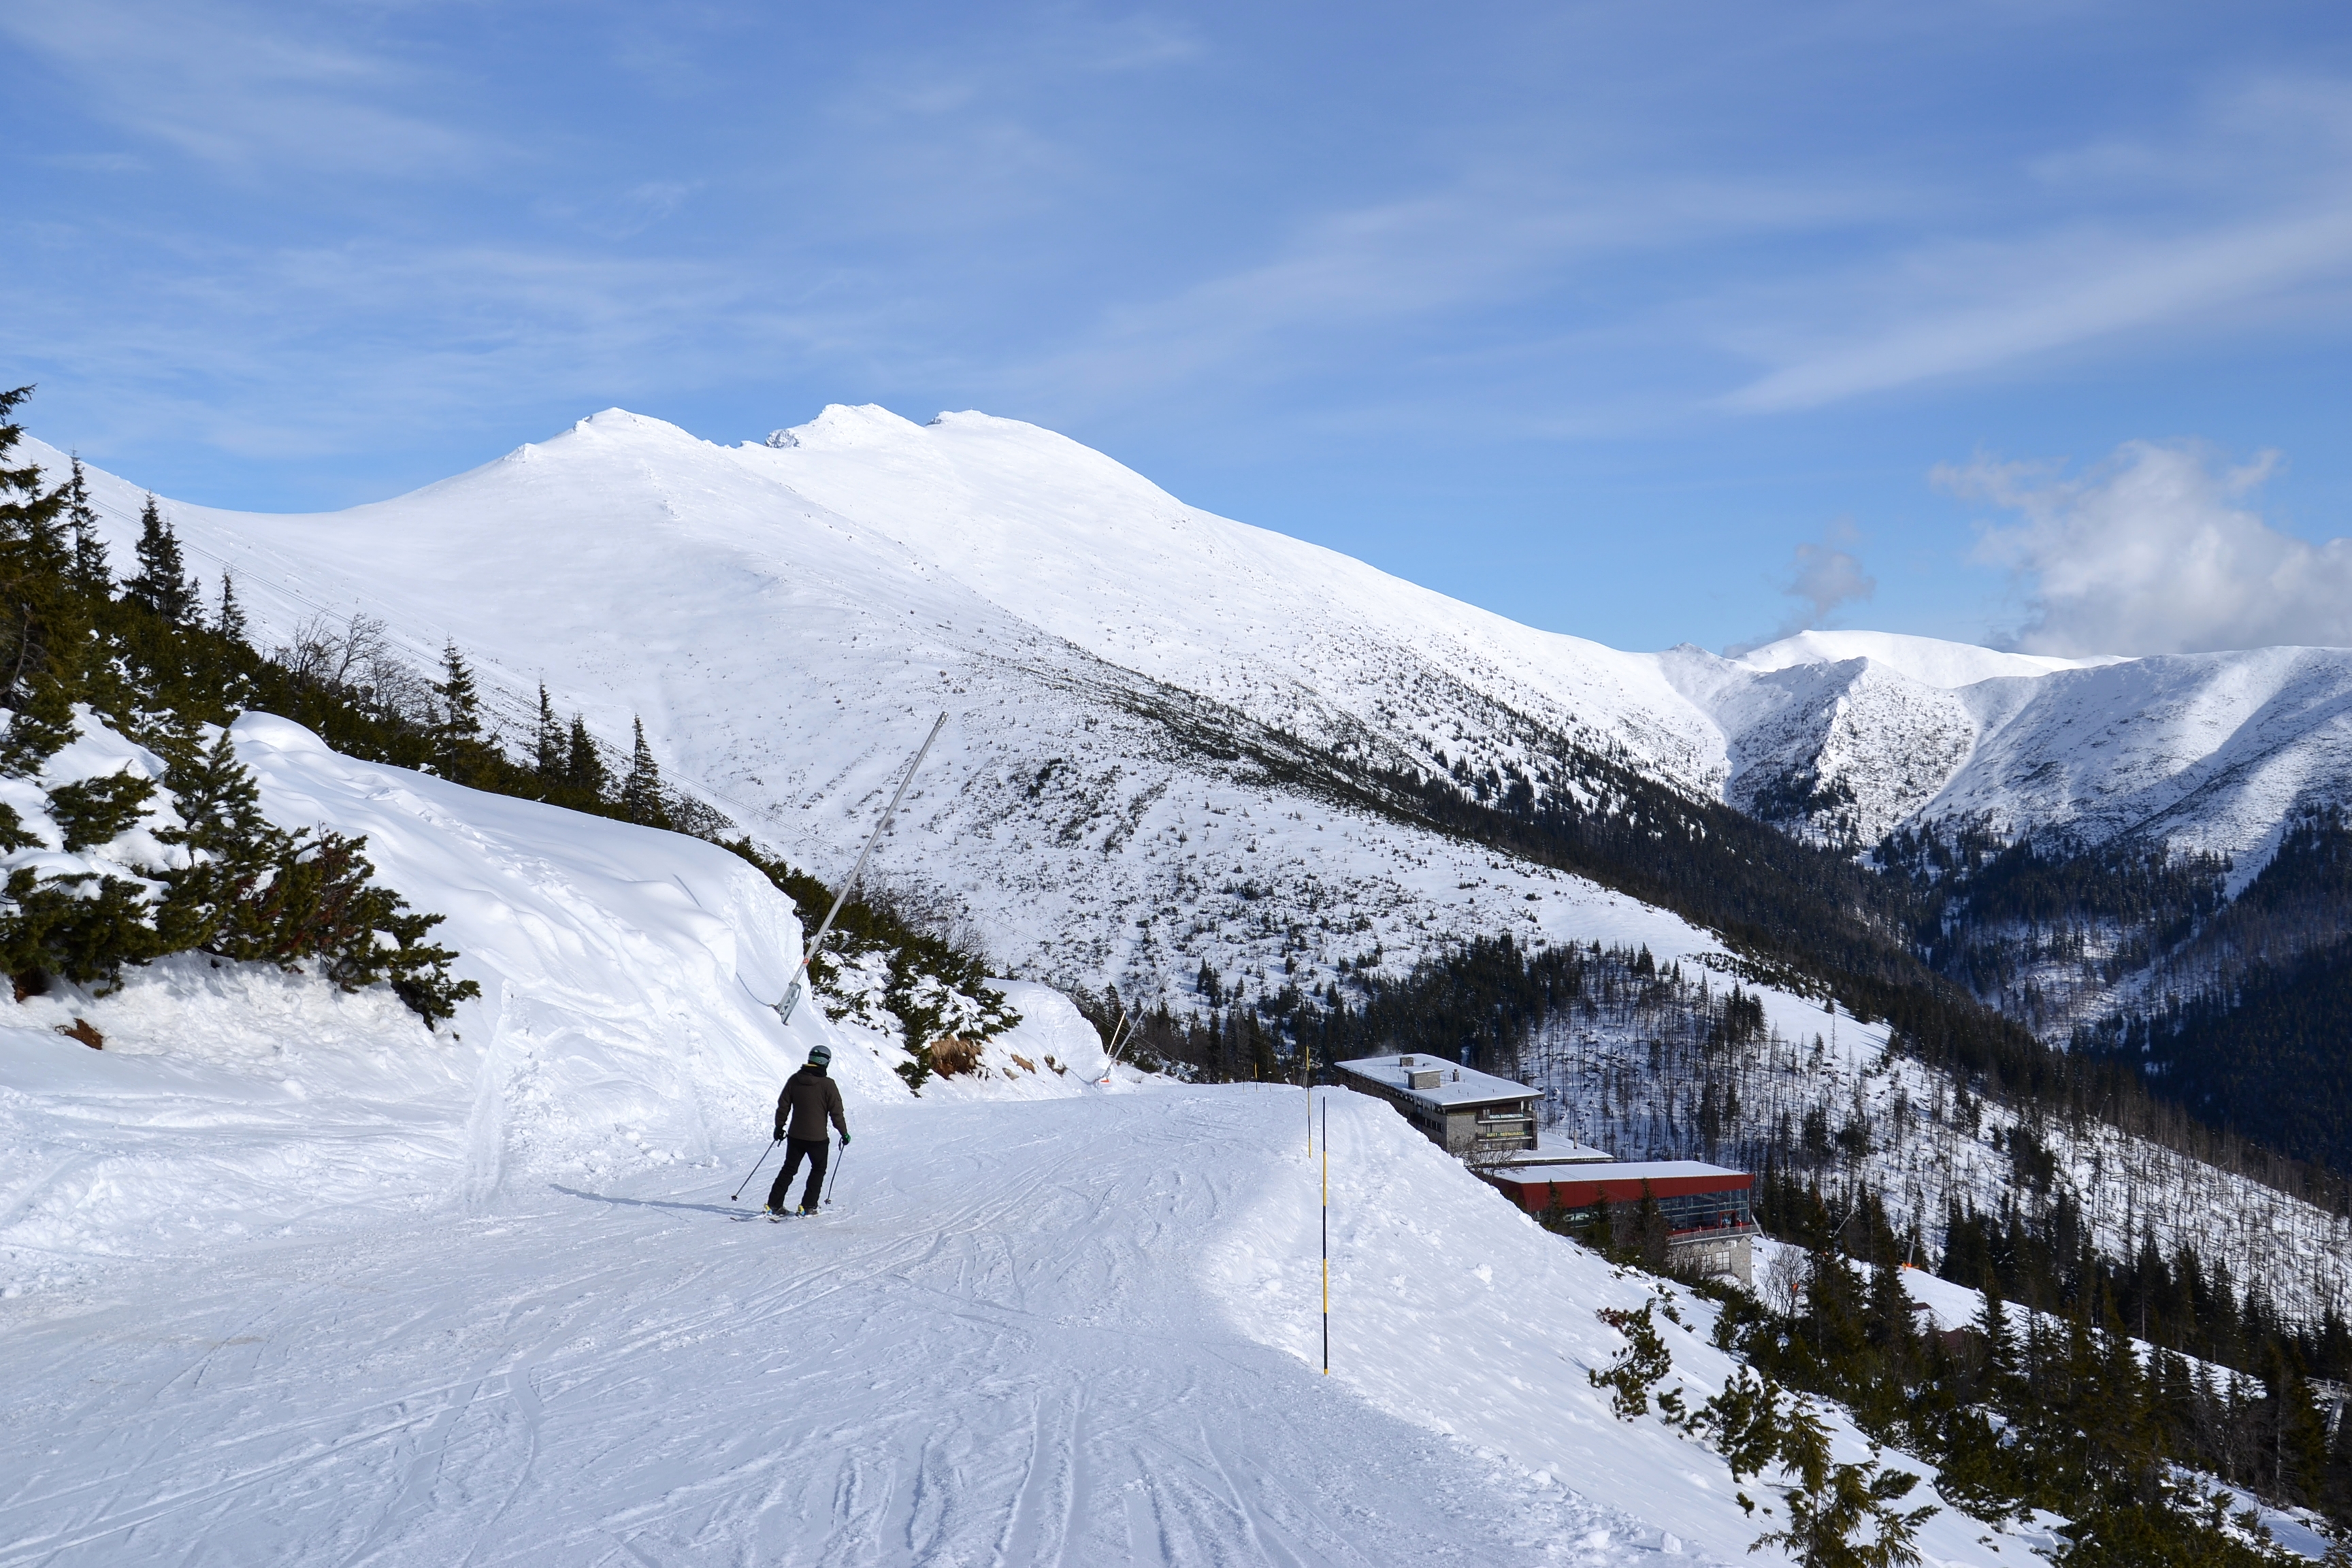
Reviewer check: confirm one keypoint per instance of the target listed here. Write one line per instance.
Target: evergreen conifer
(231, 847)
(162, 584)
(583, 770)
(95, 810)
(231, 621)
(1999, 1348)
(26, 514)
(547, 756)
(43, 625)
(640, 791)
(457, 745)
(2298, 1434)
(90, 570)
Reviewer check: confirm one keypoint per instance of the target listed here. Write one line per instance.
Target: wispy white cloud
(2087, 286)
(1825, 576)
(2248, 209)
(2157, 550)
(248, 90)
(1399, 267)
(383, 339)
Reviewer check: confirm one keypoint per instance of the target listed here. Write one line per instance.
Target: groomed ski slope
(284, 1279)
(1076, 1332)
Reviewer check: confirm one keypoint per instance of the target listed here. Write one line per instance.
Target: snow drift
(621, 1027)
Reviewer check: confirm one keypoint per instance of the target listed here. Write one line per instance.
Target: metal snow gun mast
(793, 991)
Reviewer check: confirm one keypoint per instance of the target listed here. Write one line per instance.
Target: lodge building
(1463, 1111)
(1490, 1123)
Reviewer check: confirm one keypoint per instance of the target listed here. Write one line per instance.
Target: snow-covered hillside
(620, 1029)
(1119, 667)
(2207, 751)
(285, 1278)
(430, 1294)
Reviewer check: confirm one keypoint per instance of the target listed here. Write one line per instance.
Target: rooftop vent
(1424, 1078)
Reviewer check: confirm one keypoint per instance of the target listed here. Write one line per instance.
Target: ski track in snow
(288, 1281)
(1075, 1331)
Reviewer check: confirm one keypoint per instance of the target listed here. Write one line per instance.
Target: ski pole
(837, 1159)
(763, 1160)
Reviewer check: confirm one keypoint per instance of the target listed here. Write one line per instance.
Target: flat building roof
(1456, 1087)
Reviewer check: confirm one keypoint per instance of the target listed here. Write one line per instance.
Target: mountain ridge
(777, 611)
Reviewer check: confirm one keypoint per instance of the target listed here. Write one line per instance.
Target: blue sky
(1650, 323)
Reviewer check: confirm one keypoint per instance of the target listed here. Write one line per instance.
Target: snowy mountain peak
(1930, 661)
(781, 616)
(843, 428)
(620, 424)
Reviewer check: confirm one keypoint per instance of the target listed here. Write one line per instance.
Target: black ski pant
(815, 1151)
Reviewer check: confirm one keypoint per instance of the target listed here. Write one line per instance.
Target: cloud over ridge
(2157, 550)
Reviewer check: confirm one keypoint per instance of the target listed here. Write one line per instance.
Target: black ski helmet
(821, 1057)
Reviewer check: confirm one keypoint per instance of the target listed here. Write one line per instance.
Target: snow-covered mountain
(285, 1278)
(2212, 750)
(1127, 675)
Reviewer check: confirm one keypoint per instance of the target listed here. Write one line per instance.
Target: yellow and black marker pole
(1327, 1238)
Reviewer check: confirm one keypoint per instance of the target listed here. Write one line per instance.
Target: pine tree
(162, 584)
(583, 770)
(1888, 1314)
(233, 848)
(457, 745)
(42, 627)
(1651, 1234)
(2298, 1445)
(548, 757)
(2339, 1465)
(27, 515)
(1999, 1348)
(640, 791)
(90, 570)
(231, 624)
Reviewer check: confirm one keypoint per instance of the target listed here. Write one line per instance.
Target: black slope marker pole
(754, 1171)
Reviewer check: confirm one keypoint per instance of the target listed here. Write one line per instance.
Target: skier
(809, 1099)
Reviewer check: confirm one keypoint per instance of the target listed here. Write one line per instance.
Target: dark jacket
(809, 1098)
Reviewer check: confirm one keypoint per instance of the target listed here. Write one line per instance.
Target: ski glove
(845, 1140)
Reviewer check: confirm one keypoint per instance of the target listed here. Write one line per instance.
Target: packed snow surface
(289, 1280)
(1080, 1331)
(286, 1278)
(785, 616)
